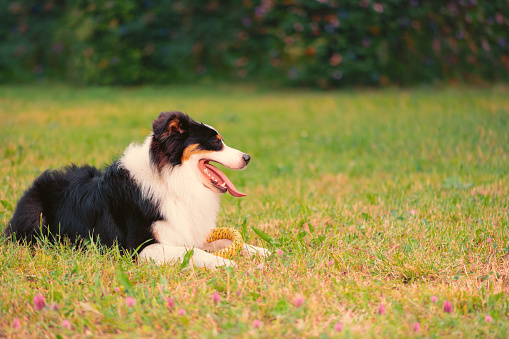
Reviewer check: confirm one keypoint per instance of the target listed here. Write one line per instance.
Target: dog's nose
(246, 158)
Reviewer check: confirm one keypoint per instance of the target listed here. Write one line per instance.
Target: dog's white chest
(189, 217)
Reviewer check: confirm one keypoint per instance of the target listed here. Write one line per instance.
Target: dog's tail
(28, 220)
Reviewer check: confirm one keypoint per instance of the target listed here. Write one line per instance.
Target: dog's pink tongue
(229, 185)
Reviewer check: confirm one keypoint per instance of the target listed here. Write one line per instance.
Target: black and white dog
(161, 198)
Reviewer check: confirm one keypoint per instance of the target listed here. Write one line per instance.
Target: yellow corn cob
(226, 233)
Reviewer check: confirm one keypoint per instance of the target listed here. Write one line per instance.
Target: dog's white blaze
(188, 207)
(229, 157)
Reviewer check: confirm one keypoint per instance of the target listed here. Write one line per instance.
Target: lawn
(381, 207)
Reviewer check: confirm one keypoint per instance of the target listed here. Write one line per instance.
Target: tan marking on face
(192, 149)
(219, 137)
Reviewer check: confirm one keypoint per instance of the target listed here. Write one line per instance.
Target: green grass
(374, 197)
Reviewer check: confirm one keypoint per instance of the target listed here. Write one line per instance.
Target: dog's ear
(170, 123)
(175, 126)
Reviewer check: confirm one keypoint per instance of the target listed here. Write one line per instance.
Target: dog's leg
(256, 250)
(161, 253)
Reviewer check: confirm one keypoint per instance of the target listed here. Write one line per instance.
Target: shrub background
(311, 43)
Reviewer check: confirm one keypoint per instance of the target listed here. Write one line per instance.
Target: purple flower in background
(246, 22)
(434, 298)
(66, 324)
(58, 48)
(417, 327)
(488, 318)
(260, 11)
(298, 301)
(502, 42)
(343, 13)
(500, 18)
(366, 42)
(414, 3)
(216, 297)
(485, 45)
(379, 8)
(16, 324)
(337, 75)
(329, 28)
(293, 73)
(39, 302)
(257, 323)
(182, 312)
(336, 59)
(289, 40)
(130, 301)
(452, 7)
(403, 22)
(381, 309)
(338, 327)
(447, 306)
(433, 25)
(171, 302)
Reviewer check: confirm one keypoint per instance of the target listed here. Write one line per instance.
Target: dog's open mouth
(218, 179)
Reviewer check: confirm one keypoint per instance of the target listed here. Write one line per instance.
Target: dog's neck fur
(188, 207)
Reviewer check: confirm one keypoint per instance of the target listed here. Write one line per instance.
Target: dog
(160, 199)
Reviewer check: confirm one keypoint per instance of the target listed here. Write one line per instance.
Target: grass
(373, 197)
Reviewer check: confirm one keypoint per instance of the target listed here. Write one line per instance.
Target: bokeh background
(312, 43)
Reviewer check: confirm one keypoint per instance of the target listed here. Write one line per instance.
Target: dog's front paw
(263, 252)
(220, 263)
(210, 261)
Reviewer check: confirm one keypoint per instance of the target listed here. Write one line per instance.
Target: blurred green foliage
(325, 43)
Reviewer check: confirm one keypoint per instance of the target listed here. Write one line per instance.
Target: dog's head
(177, 139)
